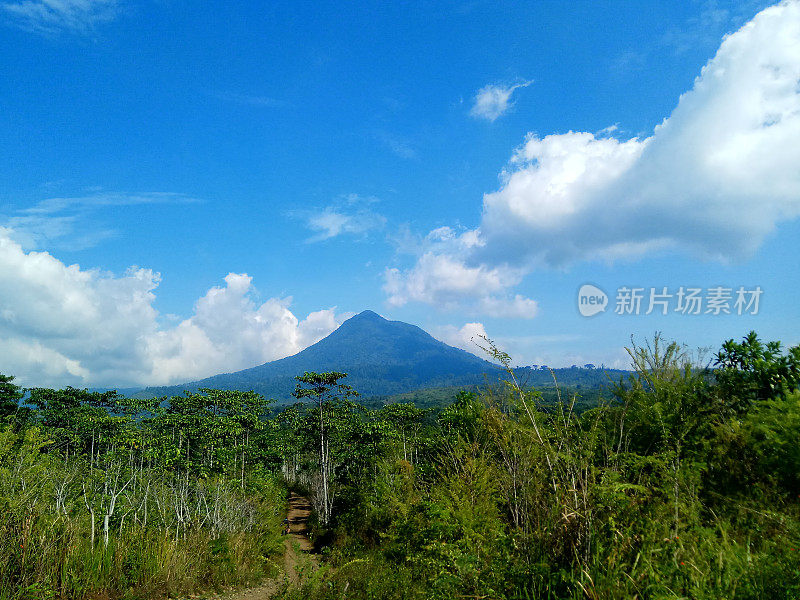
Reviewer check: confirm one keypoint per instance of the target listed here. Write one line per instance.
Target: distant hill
(586, 389)
(382, 359)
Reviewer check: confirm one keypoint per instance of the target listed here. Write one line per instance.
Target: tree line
(683, 482)
(101, 493)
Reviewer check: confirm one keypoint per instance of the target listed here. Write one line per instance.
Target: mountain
(380, 358)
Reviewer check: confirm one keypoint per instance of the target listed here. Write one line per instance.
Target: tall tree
(407, 420)
(323, 388)
(10, 395)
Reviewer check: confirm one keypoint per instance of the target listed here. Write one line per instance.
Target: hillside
(384, 359)
(381, 357)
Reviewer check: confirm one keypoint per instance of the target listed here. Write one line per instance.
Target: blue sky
(186, 190)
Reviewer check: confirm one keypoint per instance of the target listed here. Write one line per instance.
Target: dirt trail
(299, 555)
(298, 558)
(299, 511)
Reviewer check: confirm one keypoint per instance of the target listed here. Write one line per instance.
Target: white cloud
(351, 215)
(437, 278)
(51, 16)
(518, 307)
(70, 222)
(714, 179)
(443, 277)
(101, 198)
(494, 100)
(62, 325)
(465, 337)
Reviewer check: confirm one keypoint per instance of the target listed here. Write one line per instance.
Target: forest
(682, 480)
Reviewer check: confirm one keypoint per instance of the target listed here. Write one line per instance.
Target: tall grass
(165, 536)
(661, 493)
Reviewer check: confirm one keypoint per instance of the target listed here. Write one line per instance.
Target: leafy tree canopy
(10, 395)
(751, 371)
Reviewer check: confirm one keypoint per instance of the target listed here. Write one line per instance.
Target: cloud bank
(62, 325)
(714, 179)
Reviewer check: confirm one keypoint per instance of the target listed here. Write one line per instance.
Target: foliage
(683, 484)
(663, 491)
(10, 395)
(103, 495)
(751, 371)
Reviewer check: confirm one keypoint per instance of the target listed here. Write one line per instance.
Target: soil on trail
(298, 556)
(299, 511)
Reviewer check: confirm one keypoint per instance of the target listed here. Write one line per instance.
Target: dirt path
(298, 558)
(299, 512)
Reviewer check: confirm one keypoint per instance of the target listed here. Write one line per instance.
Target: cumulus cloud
(494, 100)
(351, 215)
(464, 337)
(443, 277)
(518, 307)
(437, 278)
(63, 325)
(714, 178)
(52, 16)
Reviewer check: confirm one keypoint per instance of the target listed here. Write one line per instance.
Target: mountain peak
(367, 314)
(381, 357)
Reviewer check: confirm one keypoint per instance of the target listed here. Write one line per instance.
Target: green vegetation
(551, 395)
(683, 483)
(104, 496)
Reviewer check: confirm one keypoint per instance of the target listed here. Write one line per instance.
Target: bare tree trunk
(323, 449)
(105, 530)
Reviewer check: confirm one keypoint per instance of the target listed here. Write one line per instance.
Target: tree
(80, 420)
(406, 420)
(323, 389)
(752, 371)
(10, 395)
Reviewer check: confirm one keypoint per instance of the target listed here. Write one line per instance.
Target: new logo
(591, 300)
